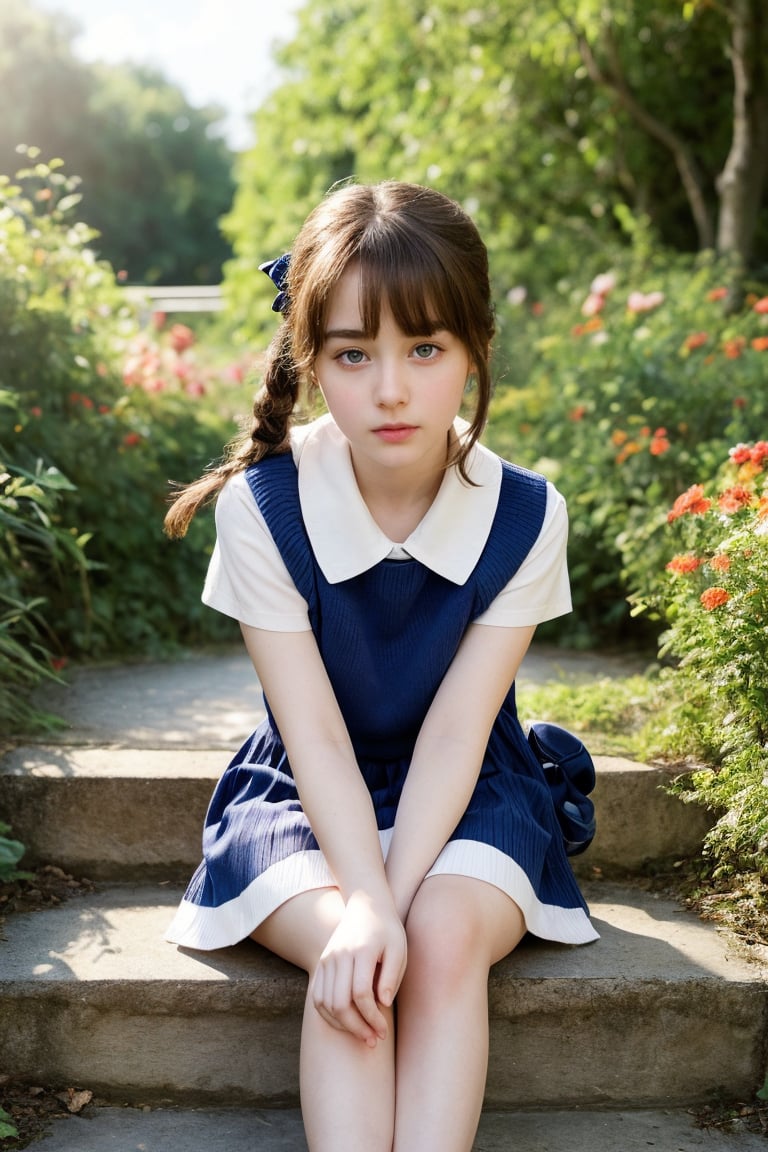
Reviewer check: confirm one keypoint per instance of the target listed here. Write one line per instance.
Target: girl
(387, 827)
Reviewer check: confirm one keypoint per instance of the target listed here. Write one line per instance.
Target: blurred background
(614, 156)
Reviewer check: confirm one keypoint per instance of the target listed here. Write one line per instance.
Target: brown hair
(416, 248)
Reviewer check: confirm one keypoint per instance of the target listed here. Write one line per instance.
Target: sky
(216, 51)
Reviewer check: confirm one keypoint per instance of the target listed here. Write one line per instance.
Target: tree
(550, 122)
(156, 176)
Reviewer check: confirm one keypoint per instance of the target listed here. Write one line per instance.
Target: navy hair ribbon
(277, 270)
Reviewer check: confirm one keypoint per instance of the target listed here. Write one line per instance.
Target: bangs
(414, 284)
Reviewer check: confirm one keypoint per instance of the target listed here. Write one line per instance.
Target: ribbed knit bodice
(388, 636)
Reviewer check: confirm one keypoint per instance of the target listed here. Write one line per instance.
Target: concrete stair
(661, 1013)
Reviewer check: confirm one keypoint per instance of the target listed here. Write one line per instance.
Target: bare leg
(457, 928)
(347, 1088)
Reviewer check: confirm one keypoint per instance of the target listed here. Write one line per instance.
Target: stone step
(661, 1012)
(280, 1130)
(127, 813)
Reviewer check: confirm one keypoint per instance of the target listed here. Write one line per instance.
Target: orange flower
(630, 449)
(734, 498)
(760, 343)
(720, 562)
(734, 348)
(619, 437)
(714, 598)
(695, 340)
(692, 501)
(684, 563)
(577, 413)
(762, 508)
(659, 445)
(761, 306)
(594, 324)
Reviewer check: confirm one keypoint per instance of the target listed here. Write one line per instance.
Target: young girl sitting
(387, 827)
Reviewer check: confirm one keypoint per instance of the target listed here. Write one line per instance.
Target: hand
(361, 969)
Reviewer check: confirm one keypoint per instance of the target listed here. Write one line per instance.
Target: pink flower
(644, 301)
(603, 284)
(181, 337)
(593, 304)
(761, 306)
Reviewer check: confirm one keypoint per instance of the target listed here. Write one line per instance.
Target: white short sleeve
(540, 589)
(247, 577)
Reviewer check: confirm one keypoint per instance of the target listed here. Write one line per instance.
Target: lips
(394, 433)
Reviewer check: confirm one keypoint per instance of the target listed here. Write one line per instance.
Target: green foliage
(630, 390)
(714, 593)
(95, 419)
(156, 174)
(6, 1128)
(492, 104)
(11, 852)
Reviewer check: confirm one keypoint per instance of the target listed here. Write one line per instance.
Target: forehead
(345, 300)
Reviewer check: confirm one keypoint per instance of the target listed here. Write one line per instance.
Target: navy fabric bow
(277, 270)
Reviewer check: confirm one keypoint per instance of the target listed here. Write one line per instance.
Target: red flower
(761, 306)
(695, 340)
(692, 501)
(577, 413)
(659, 445)
(36, 410)
(131, 439)
(537, 308)
(181, 337)
(714, 598)
(717, 294)
(760, 343)
(734, 498)
(684, 563)
(740, 454)
(760, 452)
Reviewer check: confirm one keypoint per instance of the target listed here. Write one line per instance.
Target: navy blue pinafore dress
(385, 664)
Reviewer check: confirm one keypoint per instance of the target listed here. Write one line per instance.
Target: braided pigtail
(270, 433)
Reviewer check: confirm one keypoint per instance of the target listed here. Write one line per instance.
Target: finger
(332, 998)
(390, 975)
(364, 997)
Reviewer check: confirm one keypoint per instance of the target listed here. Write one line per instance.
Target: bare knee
(457, 928)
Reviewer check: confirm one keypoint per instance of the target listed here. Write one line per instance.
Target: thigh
(300, 929)
(464, 916)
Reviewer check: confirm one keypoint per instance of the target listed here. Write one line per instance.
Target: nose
(391, 388)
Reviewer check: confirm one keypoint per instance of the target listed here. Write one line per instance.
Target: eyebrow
(359, 334)
(346, 334)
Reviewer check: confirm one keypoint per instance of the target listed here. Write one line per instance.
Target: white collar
(347, 540)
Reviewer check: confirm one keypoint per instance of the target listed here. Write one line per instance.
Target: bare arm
(449, 752)
(340, 812)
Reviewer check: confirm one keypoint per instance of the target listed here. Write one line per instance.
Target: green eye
(425, 351)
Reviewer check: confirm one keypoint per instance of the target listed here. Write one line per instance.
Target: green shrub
(96, 417)
(633, 388)
(714, 594)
